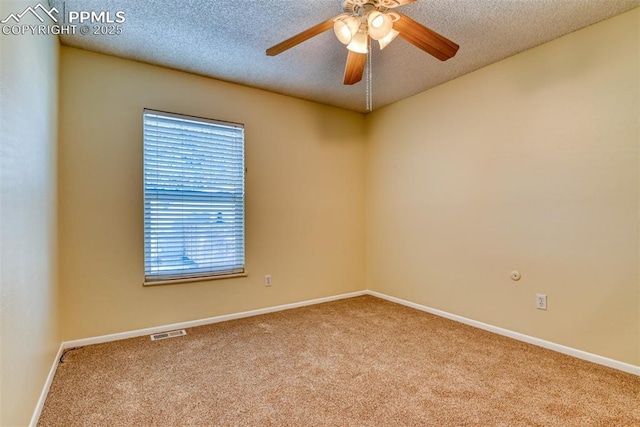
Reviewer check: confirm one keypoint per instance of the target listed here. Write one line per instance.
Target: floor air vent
(170, 334)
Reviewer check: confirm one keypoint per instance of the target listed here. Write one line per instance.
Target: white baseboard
(45, 390)
(625, 367)
(206, 321)
(600, 360)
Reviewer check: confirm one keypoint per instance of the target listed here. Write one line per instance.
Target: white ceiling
(227, 39)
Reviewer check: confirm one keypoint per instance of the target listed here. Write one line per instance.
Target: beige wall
(29, 334)
(530, 164)
(304, 196)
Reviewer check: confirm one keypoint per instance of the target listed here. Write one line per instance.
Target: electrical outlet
(541, 301)
(267, 280)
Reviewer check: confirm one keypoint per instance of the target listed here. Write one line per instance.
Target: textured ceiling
(227, 39)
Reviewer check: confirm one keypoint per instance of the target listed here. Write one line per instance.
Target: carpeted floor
(356, 362)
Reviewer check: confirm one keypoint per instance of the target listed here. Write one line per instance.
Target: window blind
(193, 197)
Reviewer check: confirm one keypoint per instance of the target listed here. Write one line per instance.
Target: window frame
(185, 277)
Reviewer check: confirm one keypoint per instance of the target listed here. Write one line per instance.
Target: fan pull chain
(369, 84)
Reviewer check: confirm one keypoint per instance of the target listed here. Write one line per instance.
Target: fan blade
(424, 38)
(355, 67)
(299, 38)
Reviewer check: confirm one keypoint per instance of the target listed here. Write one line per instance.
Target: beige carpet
(356, 362)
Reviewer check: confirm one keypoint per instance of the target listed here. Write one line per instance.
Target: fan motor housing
(355, 7)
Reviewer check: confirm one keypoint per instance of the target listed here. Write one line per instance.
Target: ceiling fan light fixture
(379, 24)
(345, 28)
(364, 20)
(377, 20)
(388, 38)
(359, 43)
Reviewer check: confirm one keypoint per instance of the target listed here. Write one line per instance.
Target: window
(193, 197)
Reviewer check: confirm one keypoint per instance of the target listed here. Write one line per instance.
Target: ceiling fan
(363, 20)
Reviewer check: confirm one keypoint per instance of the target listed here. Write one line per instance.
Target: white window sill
(193, 279)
